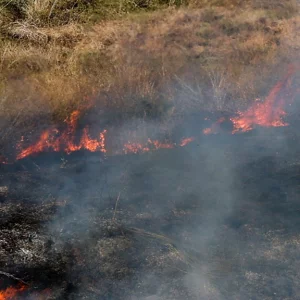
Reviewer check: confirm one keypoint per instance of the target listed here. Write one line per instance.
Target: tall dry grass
(169, 63)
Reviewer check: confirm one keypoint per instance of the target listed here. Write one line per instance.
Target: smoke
(114, 203)
(205, 221)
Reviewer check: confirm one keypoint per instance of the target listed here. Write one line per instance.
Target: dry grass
(218, 56)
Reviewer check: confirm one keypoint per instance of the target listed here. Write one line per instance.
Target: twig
(187, 257)
(52, 8)
(117, 201)
(13, 277)
(36, 165)
(9, 2)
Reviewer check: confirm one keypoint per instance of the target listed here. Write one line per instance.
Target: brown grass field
(141, 58)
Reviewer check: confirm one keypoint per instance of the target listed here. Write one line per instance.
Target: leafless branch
(13, 277)
(117, 201)
(52, 8)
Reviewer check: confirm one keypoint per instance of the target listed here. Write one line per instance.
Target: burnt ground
(218, 219)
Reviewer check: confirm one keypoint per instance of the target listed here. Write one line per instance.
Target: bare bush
(27, 31)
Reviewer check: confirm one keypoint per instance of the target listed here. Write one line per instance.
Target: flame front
(11, 293)
(267, 114)
(54, 140)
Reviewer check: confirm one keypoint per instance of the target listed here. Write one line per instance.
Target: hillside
(140, 58)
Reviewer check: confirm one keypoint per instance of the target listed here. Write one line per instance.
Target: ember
(186, 141)
(135, 148)
(154, 145)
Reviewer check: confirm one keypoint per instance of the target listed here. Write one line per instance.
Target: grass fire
(269, 113)
(149, 150)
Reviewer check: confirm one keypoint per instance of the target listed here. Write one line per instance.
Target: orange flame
(11, 292)
(214, 128)
(269, 113)
(135, 148)
(53, 140)
(92, 145)
(207, 131)
(186, 141)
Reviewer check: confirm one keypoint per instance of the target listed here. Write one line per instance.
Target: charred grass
(65, 229)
